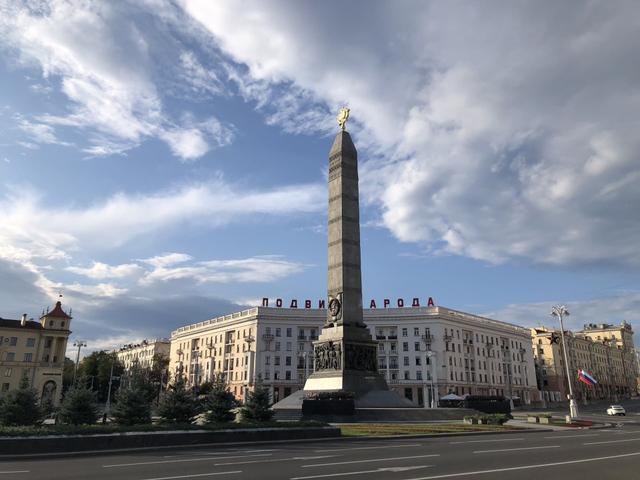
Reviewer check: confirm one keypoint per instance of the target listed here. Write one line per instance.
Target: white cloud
(108, 76)
(167, 259)
(614, 310)
(96, 291)
(495, 132)
(39, 132)
(32, 228)
(101, 270)
(254, 269)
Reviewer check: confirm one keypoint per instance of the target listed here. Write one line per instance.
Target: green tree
(96, 367)
(20, 407)
(79, 406)
(178, 405)
(220, 402)
(132, 407)
(67, 373)
(256, 407)
(133, 403)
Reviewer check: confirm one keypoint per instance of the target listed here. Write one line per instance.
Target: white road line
(208, 459)
(344, 449)
(16, 471)
(195, 475)
(523, 467)
(226, 452)
(272, 460)
(515, 449)
(378, 470)
(558, 437)
(613, 441)
(487, 441)
(369, 461)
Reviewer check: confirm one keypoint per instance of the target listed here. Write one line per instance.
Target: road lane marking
(613, 441)
(557, 437)
(208, 459)
(369, 461)
(369, 448)
(194, 475)
(523, 467)
(515, 449)
(377, 470)
(273, 460)
(483, 441)
(16, 471)
(226, 452)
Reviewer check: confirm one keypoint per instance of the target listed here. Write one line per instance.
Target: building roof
(57, 312)
(30, 324)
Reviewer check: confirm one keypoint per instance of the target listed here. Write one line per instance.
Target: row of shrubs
(488, 419)
(133, 407)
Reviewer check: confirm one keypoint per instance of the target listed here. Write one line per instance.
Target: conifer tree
(79, 406)
(257, 406)
(178, 405)
(20, 407)
(220, 402)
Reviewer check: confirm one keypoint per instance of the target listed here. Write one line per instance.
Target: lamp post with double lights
(561, 311)
(432, 358)
(79, 344)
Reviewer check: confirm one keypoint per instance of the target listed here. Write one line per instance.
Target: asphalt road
(580, 454)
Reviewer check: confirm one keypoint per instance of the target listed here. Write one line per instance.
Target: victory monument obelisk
(345, 355)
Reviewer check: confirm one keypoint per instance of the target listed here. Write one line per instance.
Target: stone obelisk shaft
(344, 277)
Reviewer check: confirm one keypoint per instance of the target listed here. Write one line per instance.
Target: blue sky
(165, 162)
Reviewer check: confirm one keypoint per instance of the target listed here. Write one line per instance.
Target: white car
(616, 410)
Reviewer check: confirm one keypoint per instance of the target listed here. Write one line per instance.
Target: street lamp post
(79, 344)
(431, 355)
(561, 311)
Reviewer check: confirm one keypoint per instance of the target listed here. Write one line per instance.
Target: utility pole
(79, 344)
(560, 311)
(107, 406)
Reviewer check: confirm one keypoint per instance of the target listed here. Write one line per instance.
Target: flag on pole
(586, 378)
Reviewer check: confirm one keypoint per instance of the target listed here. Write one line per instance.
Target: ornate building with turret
(35, 349)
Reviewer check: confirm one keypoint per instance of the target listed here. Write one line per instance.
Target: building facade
(605, 351)
(35, 350)
(423, 352)
(143, 354)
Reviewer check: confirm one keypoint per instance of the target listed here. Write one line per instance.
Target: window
(288, 332)
(287, 361)
(277, 346)
(277, 360)
(5, 387)
(278, 332)
(416, 332)
(418, 361)
(268, 331)
(419, 375)
(28, 357)
(405, 346)
(267, 360)
(406, 361)
(31, 342)
(416, 346)
(406, 375)
(14, 341)
(404, 332)
(11, 356)
(287, 374)
(7, 372)
(288, 346)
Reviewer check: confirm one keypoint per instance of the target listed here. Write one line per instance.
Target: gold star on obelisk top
(343, 116)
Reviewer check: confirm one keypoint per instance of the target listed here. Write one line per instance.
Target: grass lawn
(382, 429)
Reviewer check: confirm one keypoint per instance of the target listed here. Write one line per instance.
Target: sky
(165, 162)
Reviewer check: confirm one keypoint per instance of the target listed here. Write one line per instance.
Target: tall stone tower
(345, 355)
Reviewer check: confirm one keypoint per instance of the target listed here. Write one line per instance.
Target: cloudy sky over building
(165, 162)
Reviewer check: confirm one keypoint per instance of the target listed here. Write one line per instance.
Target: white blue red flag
(586, 378)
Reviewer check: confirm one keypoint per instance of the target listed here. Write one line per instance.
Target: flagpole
(559, 311)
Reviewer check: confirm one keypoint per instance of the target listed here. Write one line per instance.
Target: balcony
(380, 337)
(447, 338)
(392, 337)
(267, 337)
(427, 338)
